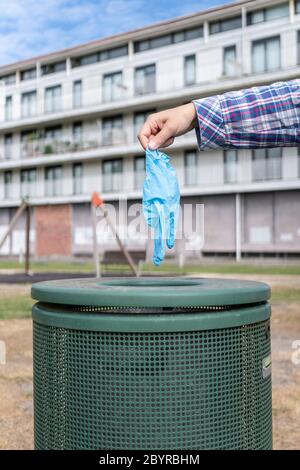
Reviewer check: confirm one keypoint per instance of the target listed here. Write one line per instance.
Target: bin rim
(151, 292)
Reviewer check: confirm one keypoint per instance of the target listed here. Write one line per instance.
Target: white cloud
(29, 28)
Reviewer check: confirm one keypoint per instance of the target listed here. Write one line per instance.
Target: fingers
(164, 138)
(145, 134)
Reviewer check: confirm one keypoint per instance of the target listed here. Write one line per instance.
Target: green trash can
(152, 364)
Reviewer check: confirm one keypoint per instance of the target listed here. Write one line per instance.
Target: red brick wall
(53, 228)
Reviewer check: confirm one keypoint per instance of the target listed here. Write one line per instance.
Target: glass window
(30, 143)
(229, 61)
(77, 178)
(167, 39)
(8, 140)
(145, 80)
(9, 79)
(297, 6)
(112, 175)
(228, 24)
(190, 70)
(28, 182)
(266, 55)
(112, 130)
(77, 94)
(53, 180)
(138, 120)
(230, 166)
(139, 172)
(100, 56)
(28, 104)
(52, 139)
(77, 131)
(266, 164)
(55, 67)
(8, 108)
(112, 86)
(268, 14)
(8, 184)
(28, 74)
(53, 99)
(190, 168)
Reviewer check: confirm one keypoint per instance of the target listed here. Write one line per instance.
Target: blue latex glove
(161, 198)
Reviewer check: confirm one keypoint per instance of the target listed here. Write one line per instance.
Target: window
(30, 143)
(266, 164)
(190, 70)
(77, 94)
(230, 166)
(9, 79)
(53, 99)
(28, 74)
(77, 178)
(229, 61)
(297, 6)
(112, 86)
(8, 184)
(190, 168)
(225, 25)
(167, 39)
(145, 80)
(138, 120)
(112, 130)
(28, 182)
(28, 104)
(139, 172)
(77, 132)
(8, 140)
(268, 14)
(53, 177)
(8, 108)
(55, 67)
(266, 55)
(100, 56)
(298, 47)
(112, 175)
(52, 139)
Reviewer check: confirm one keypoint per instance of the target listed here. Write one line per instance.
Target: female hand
(161, 128)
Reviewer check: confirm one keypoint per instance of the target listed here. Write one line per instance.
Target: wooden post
(27, 240)
(95, 241)
(98, 202)
(13, 223)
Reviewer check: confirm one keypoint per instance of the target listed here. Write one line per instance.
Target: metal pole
(27, 241)
(238, 227)
(95, 242)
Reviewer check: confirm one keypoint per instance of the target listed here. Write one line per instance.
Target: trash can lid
(151, 292)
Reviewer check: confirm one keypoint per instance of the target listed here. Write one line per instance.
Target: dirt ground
(16, 381)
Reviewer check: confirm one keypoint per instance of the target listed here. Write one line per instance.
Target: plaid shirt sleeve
(267, 116)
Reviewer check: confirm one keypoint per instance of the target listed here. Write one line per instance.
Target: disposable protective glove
(161, 198)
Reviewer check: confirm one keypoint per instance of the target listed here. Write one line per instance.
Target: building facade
(69, 120)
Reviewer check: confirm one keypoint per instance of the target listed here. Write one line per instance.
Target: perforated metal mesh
(181, 390)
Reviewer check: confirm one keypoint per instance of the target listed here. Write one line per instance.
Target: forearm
(267, 116)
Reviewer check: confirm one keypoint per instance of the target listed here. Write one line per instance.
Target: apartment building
(69, 120)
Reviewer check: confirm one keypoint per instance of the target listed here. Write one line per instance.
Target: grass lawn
(226, 268)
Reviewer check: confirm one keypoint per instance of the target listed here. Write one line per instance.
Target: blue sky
(32, 27)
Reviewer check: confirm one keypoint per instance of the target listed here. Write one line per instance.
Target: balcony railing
(35, 147)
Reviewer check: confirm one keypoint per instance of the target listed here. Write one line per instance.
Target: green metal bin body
(152, 364)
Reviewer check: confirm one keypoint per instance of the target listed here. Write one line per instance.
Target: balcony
(95, 100)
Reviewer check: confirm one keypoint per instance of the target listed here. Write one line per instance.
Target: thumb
(164, 138)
